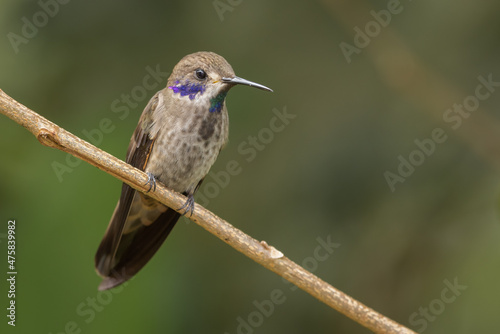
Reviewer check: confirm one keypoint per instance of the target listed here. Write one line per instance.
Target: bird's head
(205, 78)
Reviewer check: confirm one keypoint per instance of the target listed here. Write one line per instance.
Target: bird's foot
(151, 182)
(188, 206)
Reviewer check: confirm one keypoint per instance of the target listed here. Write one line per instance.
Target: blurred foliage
(322, 176)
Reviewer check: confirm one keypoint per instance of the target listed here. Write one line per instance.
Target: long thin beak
(241, 81)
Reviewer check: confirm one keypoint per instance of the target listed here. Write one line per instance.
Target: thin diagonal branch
(50, 134)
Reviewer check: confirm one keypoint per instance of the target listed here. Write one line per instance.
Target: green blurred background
(320, 178)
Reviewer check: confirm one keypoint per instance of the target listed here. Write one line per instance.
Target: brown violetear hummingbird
(179, 136)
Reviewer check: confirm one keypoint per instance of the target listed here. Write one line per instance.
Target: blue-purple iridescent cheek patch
(188, 89)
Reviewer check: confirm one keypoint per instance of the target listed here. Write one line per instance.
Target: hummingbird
(177, 140)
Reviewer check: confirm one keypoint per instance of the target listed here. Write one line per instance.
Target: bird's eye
(200, 74)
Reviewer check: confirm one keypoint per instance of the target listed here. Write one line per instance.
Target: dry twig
(52, 135)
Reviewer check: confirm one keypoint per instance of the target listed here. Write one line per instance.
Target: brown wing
(129, 242)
